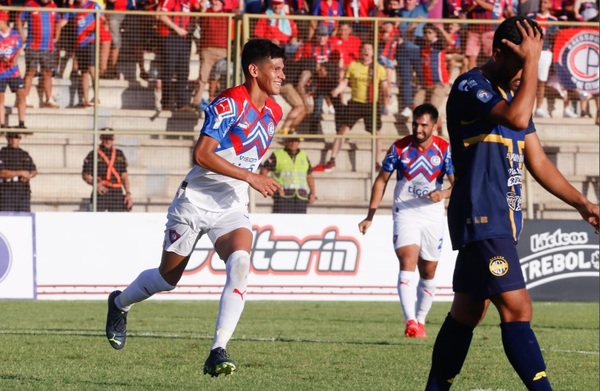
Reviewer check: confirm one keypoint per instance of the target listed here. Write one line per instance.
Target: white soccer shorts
(186, 223)
(427, 234)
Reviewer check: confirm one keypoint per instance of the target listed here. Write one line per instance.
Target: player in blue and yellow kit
(493, 139)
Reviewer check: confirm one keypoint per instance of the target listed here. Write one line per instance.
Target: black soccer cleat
(219, 363)
(116, 323)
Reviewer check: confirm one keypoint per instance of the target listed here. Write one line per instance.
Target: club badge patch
(498, 266)
(484, 96)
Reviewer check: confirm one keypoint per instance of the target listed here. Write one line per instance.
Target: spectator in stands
(325, 8)
(294, 92)
(279, 31)
(480, 36)
(360, 9)
(364, 94)
(542, 17)
(213, 47)
(143, 34)
(174, 52)
(291, 168)
(434, 71)
(40, 53)
(347, 45)
(321, 49)
(16, 171)
(10, 76)
(408, 61)
(585, 10)
(115, 22)
(113, 190)
(388, 44)
(253, 6)
(85, 48)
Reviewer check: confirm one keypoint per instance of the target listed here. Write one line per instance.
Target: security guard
(113, 188)
(16, 170)
(291, 167)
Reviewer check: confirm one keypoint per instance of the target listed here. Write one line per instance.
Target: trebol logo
(559, 255)
(5, 257)
(327, 253)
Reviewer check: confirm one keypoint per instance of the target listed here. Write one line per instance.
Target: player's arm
(205, 156)
(377, 193)
(551, 179)
(439, 195)
(517, 114)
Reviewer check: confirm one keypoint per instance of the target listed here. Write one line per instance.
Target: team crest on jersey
(271, 128)
(436, 160)
(498, 266)
(514, 201)
(484, 96)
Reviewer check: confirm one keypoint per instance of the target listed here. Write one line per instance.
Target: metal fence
(142, 85)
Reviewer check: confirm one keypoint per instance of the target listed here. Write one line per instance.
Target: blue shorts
(15, 83)
(488, 267)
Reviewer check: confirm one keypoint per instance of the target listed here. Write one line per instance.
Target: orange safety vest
(110, 170)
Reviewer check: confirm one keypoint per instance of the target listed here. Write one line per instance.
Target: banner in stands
(17, 256)
(576, 58)
(559, 260)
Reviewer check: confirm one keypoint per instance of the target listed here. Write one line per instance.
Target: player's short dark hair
(508, 30)
(426, 108)
(256, 51)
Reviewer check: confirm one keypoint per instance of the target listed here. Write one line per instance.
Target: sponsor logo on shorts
(498, 266)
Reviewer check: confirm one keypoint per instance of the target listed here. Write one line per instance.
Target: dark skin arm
(517, 114)
(547, 175)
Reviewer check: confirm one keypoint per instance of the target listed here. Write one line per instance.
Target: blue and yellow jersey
(489, 164)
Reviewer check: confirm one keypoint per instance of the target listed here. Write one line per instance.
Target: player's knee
(238, 264)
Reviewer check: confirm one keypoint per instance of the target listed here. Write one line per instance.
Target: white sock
(145, 285)
(233, 298)
(425, 293)
(407, 292)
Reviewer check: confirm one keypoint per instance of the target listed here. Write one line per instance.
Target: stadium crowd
(419, 58)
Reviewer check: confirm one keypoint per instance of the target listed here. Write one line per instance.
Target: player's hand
(589, 212)
(435, 196)
(265, 185)
(530, 48)
(364, 225)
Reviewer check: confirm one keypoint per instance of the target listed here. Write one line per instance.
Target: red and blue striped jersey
(324, 9)
(85, 22)
(10, 45)
(433, 62)
(41, 26)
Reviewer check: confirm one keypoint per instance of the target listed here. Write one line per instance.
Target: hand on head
(530, 48)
